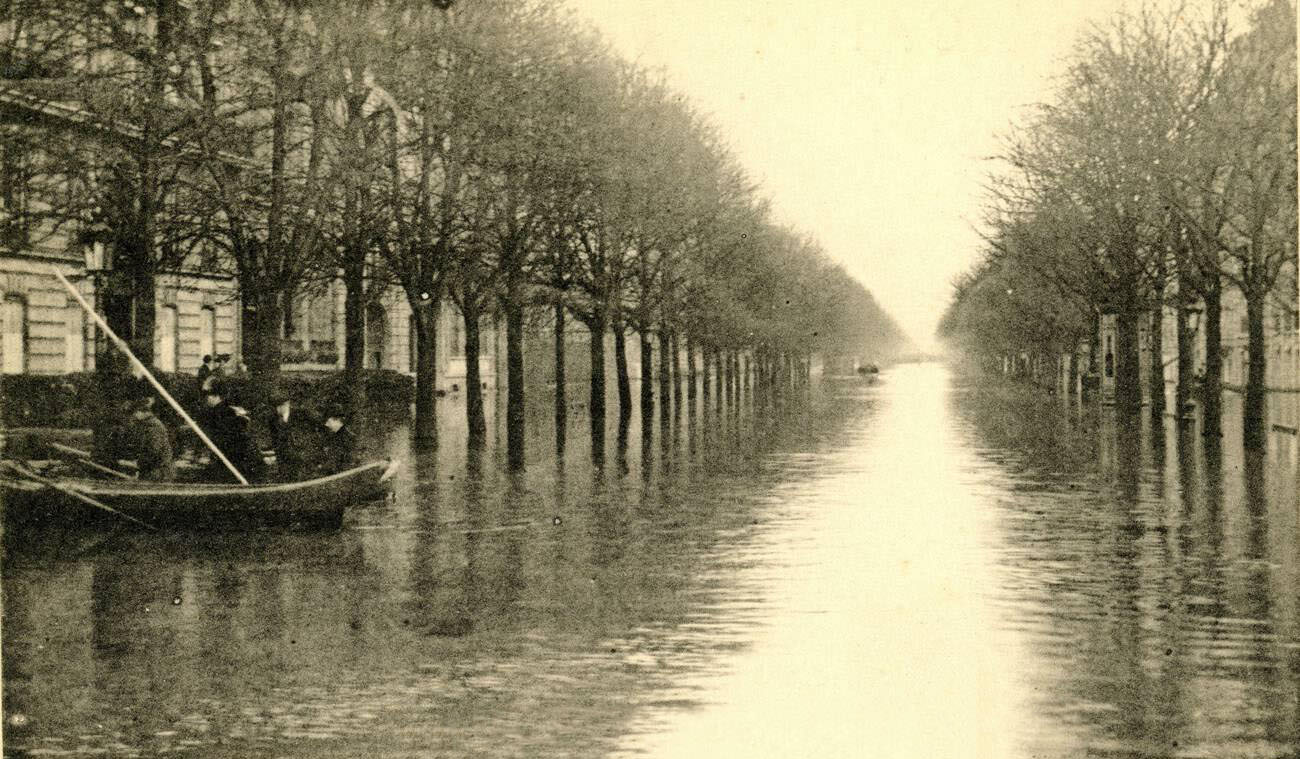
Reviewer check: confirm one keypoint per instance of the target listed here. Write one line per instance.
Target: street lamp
(98, 257)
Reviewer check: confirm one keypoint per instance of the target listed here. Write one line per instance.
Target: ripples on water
(923, 567)
(1150, 580)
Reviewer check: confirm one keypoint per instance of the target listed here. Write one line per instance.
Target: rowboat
(318, 502)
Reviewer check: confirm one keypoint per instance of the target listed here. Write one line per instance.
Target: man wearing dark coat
(292, 436)
(205, 369)
(147, 441)
(228, 428)
(339, 449)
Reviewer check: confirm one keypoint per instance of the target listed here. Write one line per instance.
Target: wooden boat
(318, 502)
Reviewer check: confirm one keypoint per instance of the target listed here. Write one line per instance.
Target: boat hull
(318, 502)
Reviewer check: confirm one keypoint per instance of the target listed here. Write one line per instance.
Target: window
(207, 331)
(74, 352)
(13, 335)
(165, 342)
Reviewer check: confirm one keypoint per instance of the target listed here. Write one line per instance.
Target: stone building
(1283, 353)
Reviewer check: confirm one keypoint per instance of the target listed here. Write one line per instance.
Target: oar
(103, 469)
(84, 458)
(24, 472)
(124, 463)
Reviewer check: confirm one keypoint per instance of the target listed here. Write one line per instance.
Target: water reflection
(1148, 591)
(925, 566)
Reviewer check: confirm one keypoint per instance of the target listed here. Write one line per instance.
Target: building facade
(1282, 334)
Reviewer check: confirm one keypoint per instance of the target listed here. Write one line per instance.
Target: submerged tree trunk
(144, 295)
(730, 382)
(1128, 382)
(647, 388)
(665, 378)
(354, 332)
(621, 372)
(561, 396)
(425, 322)
(691, 373)
(262, 347)
(1254, 434)
(720, 368)
(514, 385)
(1157, 359)
(677, 375)
(597, 404)
(706, 390)
(474, 416)
(1184, 367)
(1212, 384)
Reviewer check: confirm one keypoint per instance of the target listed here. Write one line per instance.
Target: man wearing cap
(228, 429)
(292, 435)
(339, 449)
(149, 443)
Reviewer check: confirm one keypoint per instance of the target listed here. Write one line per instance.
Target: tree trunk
(1157, 373)
(740, 378)
(676, 376)
(1212, 384)
(474, 416)
(144, 296)
(730, 382)
(691, 373)
(515, 385)
(354, 331)
(597, 404)
(262, 346)
(720, 401)
(706, 390)
(1128, 384)
(561, 396)
(647, 388)
(1254, 434)
(426, 372)
(1184, 368)
(665, 378)
(621, 373)
(1072, 376)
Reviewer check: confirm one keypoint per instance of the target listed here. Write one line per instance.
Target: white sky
(868, 122)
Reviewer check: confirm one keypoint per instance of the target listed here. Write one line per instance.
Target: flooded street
(922, 567)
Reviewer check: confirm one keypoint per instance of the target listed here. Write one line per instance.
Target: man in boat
(292, 435)
(205, 369)
(228, 428)
(339, 449)
(149, 443)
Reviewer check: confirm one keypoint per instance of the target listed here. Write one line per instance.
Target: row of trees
(1162, 172)
(496, 154)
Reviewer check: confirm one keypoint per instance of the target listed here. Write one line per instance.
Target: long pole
(121, 344)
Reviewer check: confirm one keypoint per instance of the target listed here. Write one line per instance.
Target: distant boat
(318, 502)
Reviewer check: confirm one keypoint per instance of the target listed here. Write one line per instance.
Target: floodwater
(924, 567)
